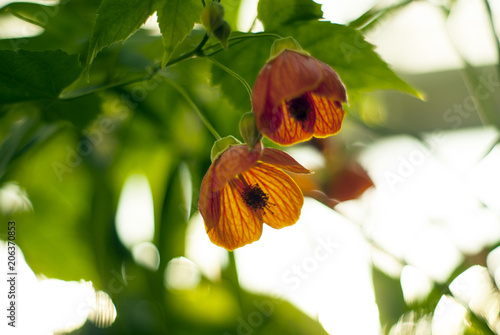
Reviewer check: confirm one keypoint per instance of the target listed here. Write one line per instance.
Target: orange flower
(243, 189)
(296, 97)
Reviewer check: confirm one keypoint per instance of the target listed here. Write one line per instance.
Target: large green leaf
(274, 13)
(347, 51)
(116, 21)
(176, 19)
(31, 75)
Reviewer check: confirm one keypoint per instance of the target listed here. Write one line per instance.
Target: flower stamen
(299, 108)
(255, 198)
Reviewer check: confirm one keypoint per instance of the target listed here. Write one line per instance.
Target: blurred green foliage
(95, 97)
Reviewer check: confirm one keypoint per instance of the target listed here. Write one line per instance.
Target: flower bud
(221, 145)
(212, 16)
(222, 33)
(248, 130)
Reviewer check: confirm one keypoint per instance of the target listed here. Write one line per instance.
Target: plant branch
(234, 74)
(191, 103)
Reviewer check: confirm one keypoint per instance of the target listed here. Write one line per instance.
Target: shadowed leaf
(31, 75)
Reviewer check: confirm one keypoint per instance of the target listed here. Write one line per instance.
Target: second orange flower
(296, 97)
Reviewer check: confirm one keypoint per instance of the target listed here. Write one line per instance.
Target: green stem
(195, 108)
(198, 51)
(235, 75)
(239, 39)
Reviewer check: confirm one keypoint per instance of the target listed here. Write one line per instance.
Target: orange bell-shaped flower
(296, 97)
(245, 188)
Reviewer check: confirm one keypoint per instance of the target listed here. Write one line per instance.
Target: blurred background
(400, 228)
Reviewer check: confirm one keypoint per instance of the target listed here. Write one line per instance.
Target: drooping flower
(245, 188)
(296, 96)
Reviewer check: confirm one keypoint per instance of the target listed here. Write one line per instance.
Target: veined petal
(291, 131)
(282, 160)
(238, 224)
(292, 74)
(288, 76)
(285, 198)
(232, 162)
(331, 86)
(209, 203)
(329, 116)
(261, 105)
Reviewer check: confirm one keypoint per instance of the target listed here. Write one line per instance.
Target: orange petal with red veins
(238, 224)
(292, 74)
(329, 116)
(285, 198)
(282, 160)
(232, 162)
(287, 76)
(331, 86)
(290, 131)
(209, 203)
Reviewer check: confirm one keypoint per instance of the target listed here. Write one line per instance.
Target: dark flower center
(255, 198)
(299, 108)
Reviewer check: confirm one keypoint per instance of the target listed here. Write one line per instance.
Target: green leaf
(246, 59)
(116, 21)
(347, 51)
(372, 17)
(32, 75)
(80, 111)
(231, 12)
(62, 28)
(176, 19)
(389, 297)
(274, 13)
(11, 143)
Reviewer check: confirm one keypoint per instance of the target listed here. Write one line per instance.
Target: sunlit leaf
(31, 75)
(274, 13)
(231, 12)
(116, 21)
(347, 51)
(176, 19)
(62, 28)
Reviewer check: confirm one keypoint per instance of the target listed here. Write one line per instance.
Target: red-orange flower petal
(232, 162)
(238, 224)
(244, 188)
(282, 160)
(329, 114)
(285, 198)
(209, 202)
(296, 97)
